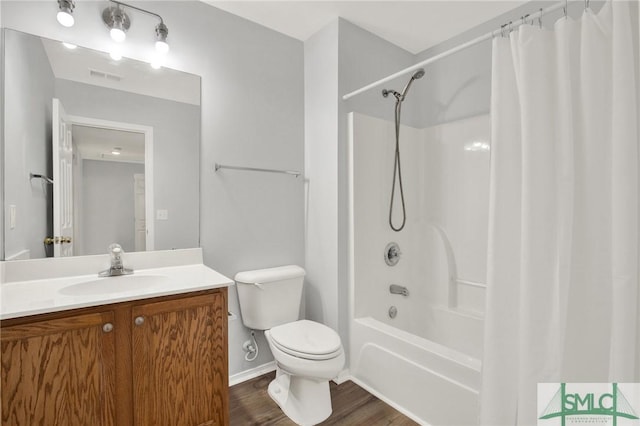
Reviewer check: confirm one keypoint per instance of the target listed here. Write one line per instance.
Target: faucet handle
(115, 248)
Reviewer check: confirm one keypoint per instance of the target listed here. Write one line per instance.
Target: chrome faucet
(117, 267)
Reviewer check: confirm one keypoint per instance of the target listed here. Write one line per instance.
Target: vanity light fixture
(118, 23)
(161, 38)
(65, 13)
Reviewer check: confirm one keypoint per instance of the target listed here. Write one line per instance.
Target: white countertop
(37, 296)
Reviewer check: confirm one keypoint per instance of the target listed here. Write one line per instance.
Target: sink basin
(112, 285)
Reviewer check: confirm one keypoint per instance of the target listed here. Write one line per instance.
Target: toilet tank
(270, 297)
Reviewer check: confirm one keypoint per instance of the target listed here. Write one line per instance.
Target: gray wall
(108, 205)
(338, 59)
(27, 116)
(176, 150)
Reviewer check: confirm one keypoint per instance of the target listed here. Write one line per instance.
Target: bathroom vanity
(142, 354)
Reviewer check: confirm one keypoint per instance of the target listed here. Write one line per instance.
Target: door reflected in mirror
(109, 188)
(120, 141)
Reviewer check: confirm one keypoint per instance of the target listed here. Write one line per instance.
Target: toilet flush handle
(260, 286)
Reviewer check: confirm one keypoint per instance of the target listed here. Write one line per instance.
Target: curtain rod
(488, 36)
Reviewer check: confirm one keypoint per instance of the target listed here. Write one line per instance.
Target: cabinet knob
(139, 320)
(107, 328)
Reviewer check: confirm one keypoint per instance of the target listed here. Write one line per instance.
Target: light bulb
(115, 55)
(156, 62)
(161, 38)
(162, 47)
(117, 35)
(65, 18)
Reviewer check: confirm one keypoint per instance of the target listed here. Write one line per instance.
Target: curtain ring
(540, 19)
(586, 4)
(510, 29)
(502, 28)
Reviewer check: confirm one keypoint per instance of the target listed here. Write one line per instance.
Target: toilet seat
(306, 339)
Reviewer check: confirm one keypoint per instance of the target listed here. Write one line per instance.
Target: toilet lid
(306, 338)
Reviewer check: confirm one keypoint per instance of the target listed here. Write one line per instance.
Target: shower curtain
(562, 298)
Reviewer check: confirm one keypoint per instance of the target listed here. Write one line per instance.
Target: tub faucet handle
(392, 254)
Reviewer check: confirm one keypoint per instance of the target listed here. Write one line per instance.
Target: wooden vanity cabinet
(59, 371)
(159, 361)
(180, 373)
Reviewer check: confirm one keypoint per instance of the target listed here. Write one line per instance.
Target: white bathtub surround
(435, 341)
(563, 246)
(37, 286)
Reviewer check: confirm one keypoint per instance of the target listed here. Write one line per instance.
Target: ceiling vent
(104, 75)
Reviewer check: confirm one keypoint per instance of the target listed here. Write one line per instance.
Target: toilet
(308, 354)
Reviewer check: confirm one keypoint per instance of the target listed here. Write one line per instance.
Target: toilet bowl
(307, 354)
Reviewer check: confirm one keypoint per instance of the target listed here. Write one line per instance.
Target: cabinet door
(180, 372)
(59, 372)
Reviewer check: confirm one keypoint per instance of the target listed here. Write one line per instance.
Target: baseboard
(389, 402)
(342, 377)
(252, 373)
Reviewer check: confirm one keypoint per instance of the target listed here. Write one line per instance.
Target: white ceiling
(412, 25)
(95, 143)
(97, 68)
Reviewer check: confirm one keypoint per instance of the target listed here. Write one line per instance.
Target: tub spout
(398, 289)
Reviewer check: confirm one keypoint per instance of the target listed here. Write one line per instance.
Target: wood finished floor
(249, 404)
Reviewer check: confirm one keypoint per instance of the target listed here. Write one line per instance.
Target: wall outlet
(162, 214)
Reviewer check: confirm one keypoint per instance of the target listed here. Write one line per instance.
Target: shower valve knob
(392, 254)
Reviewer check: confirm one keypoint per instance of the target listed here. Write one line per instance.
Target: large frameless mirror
(96, 151)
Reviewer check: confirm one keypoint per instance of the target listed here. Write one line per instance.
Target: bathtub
(429, 382)
(420, 351)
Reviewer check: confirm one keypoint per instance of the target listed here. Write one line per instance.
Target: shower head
(400, 95)
(416, 75)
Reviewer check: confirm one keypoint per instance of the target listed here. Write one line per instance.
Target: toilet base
(305, 401)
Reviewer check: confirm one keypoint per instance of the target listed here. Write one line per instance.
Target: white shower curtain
(562, 298)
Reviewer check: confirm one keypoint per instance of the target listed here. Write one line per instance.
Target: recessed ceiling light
(116, 151)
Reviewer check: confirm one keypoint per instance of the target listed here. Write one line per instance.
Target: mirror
(96, 151)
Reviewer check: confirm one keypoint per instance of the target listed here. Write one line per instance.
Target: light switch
(162, 214)
(12, 216)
